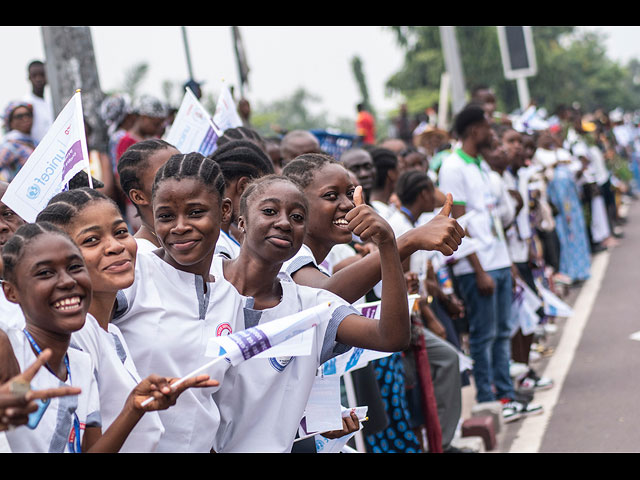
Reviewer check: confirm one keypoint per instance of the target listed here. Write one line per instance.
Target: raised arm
(352, 282)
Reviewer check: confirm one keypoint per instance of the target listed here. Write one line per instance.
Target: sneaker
(511, 410)
(532, 409)
(533, 382)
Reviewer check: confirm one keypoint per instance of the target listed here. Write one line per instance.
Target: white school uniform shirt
(468, 180)
(167, 322)
(262, 400)
(117, 377)
(55, 428)
(11, 315)
(227, 246)
(145, 245)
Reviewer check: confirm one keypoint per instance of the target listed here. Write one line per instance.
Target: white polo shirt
(167, 323)
(55, 428)
(262, 400)
(467, 179)
(117, 376)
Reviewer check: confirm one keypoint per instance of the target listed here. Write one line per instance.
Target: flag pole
(83, 137)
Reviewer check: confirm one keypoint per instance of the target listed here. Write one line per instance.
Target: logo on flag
(59, 156)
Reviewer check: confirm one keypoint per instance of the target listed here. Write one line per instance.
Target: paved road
(595, 405)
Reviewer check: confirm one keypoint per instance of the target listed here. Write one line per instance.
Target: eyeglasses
(21, 116)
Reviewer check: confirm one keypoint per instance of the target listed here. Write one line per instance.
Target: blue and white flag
(262, 339)
(193, 129)
(59, 156)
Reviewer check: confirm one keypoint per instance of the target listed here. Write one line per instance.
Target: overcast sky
(281, 59)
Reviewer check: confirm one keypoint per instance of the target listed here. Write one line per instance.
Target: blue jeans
(489, 334)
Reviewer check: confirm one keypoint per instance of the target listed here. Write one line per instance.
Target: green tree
(572, 67)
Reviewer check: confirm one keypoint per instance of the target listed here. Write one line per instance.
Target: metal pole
(523, 92)
(187, 52)
(454, 67)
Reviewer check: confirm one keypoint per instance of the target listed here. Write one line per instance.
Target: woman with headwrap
(17, 144)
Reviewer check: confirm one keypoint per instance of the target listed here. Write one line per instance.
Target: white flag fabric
(60, 155)
(356, 358)
(193, 129)
(245, 344)
(553, 306)
(524, 309)
(226, 115)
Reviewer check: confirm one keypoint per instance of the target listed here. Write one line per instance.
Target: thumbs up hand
(365, 222)
(442, 233)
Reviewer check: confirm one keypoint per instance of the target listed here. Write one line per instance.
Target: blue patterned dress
(398, 437)
(575, 256)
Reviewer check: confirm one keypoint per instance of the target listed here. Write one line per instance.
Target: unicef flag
(60, 155)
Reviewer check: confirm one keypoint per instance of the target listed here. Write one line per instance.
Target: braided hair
(303, 168)
(65, 206)
(23, 236)
(191, 165)
(242, 158)
(134, 161)
(410, 184)
(259, 185)
(241, 133)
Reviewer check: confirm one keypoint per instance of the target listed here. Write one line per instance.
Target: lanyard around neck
(74, 446)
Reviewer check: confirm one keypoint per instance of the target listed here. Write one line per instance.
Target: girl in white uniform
(175, 305)
(262, 401)
(46, 275)
(329, 190)
(240, 162)
(96, 225)
(137, 168)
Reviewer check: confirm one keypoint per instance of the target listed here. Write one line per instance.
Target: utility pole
(454, 68)
(187, 52)
(71, 65)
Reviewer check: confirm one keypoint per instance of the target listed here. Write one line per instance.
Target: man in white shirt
(42, 109)
(484, 278)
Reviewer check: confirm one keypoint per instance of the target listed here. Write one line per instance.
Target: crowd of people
(113, 293)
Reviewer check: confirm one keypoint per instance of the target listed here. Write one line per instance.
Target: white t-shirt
(55, 428)
(400, 225)
(117, 376)
(262, 400)
(469, 183)
(42, 116)
(167, 324)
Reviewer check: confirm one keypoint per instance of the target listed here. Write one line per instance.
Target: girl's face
(187, 216)
(330, 197)
(108, 249)
(52, 285)
(275, 222)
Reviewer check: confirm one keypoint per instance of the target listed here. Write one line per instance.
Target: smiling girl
(262, 401)
(175, 305)
(95, 224)
(45, 273)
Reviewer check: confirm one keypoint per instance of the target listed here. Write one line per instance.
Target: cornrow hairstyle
(410, 184)
(134, 161)
(260, 184)
(23, 236)
(242, 158)
(65, 206)
(303, 168)
(241, 133)
(191, 165)
(384, 160)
